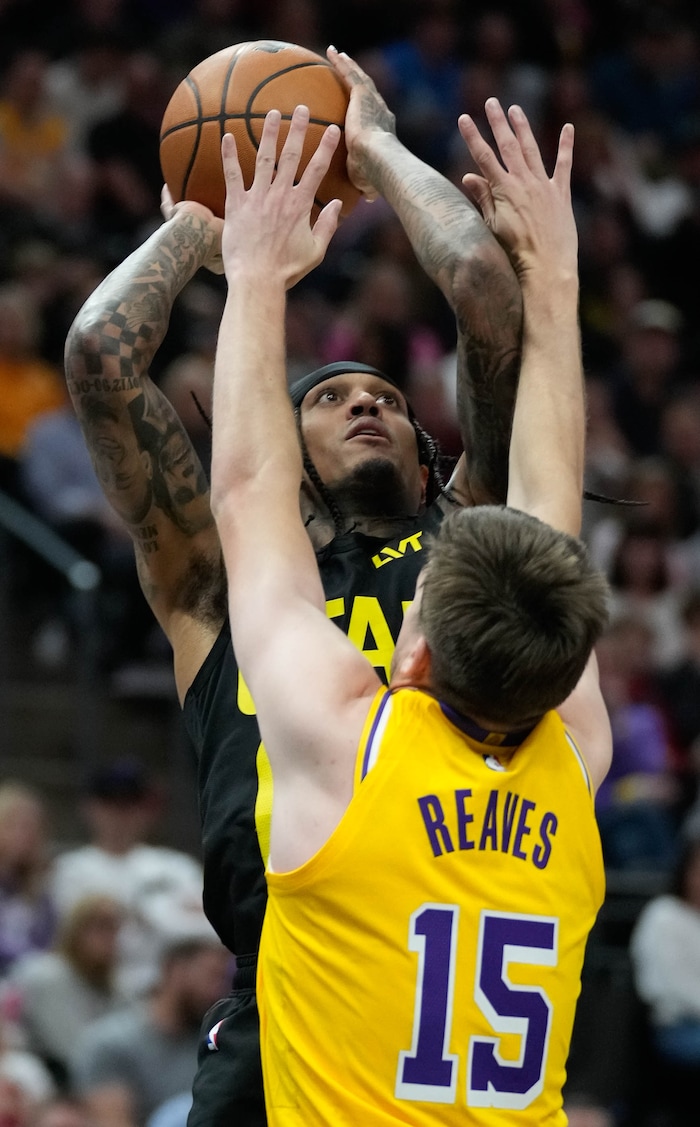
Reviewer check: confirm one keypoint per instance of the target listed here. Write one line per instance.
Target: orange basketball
(232, 91)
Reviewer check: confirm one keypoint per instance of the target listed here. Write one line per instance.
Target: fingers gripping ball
(232, 91)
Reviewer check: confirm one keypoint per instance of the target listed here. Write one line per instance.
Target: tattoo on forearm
(487, 377)
(129, 312)
(438, 219)
(141, 452)
(374, 115)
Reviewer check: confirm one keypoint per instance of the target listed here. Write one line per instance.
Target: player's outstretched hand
(367, 113)
(169, 209)
(268, 228)
(529, 213)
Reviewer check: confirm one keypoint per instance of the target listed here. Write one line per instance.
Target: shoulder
(162, 855)
(161, 859)
(37, 968)
(657, 914)
(29, 1072)
(82, 857)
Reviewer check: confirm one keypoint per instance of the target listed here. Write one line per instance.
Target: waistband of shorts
(244, 974)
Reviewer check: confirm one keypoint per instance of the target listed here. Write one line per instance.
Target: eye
(387, 397)
(328, 395)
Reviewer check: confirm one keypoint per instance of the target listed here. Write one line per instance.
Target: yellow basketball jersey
(423, 967)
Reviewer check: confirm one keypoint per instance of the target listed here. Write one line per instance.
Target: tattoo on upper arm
(459, 252)
(144, 459)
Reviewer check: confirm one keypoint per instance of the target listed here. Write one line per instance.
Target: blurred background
(94, 763)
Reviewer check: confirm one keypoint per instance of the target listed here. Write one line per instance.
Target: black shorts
(228, 1086)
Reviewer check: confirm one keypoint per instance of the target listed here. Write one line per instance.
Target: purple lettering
(522, 829)
(489, 830)
(434, 821)
(542, 853)
(463, 819)
(511, 805)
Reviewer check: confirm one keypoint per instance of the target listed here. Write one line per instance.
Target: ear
(424, 474)
(415, 666)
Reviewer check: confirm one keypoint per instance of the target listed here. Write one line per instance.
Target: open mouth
(368, 430)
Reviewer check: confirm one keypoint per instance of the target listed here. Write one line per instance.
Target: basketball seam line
(209, 118)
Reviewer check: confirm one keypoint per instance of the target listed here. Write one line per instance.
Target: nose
(364, 403)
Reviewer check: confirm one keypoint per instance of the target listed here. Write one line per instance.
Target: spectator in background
(636, 803)
(159, 889)
(58, 480)
(173, 1112)
(670, 261)
(122, 20)
(63, 1111)
(15, 1108)
(642, 585)
(611, 285)
(650, 484)
(650, 83)
(381, 323)
(27, 912)
(295, 21)
(127, 1064)
(648, 372)
(665, 950)
(511, 79)
(585, 1111)
(188, 382)
(205, 27)
(86, 86)
(567, 98)
(680, 447)
(420, 76)
(607, 453)
(28, 385)
(61, 991)
(26, 1085)
(679, 689)
(125, 149)
(33, 135)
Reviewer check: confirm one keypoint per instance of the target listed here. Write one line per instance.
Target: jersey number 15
(427, 1071)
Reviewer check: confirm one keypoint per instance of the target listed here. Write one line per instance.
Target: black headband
(302, 386)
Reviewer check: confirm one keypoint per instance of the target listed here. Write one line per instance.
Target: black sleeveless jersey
(368, 583)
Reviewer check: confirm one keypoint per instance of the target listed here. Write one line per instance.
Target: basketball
(232, 91)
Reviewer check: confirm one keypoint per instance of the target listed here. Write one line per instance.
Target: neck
(321, 527)
(372, 500)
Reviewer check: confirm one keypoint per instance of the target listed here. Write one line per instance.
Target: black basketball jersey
(368, 583)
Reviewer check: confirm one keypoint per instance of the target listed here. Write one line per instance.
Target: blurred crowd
(82, 91)
(107, 962)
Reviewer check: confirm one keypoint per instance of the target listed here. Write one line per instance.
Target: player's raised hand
(529, 212)
(169, 209)
(268, 227)
(367, 113)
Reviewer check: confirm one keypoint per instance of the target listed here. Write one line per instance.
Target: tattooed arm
(142, 455)
(462, 257)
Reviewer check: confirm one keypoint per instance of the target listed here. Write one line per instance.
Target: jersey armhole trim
(581, 762)
(372, 744)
